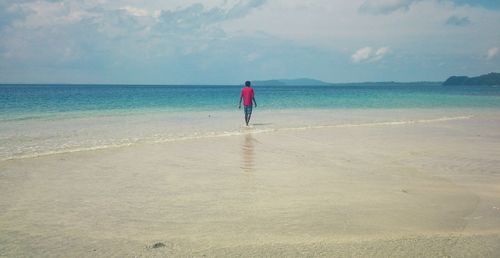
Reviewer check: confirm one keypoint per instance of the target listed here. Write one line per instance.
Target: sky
(230, 41)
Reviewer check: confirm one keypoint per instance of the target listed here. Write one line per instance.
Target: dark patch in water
(158, 245)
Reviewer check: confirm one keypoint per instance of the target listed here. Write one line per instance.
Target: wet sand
(382, 190)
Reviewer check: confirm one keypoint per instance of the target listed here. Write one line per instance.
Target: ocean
(45, 119)
(35, 101)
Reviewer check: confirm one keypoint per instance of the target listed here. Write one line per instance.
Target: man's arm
(239, 105)
(254, 102)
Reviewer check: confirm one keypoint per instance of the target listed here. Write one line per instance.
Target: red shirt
(247, 95)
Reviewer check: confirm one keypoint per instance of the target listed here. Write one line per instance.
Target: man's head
(248, 83)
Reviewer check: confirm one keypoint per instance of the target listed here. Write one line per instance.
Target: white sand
(428, 189)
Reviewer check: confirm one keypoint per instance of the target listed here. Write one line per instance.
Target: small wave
(407, 122)
(243, 131)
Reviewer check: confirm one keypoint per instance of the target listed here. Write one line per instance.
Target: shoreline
(35, 138)
(242, 131)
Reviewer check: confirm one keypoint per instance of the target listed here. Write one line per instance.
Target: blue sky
(230, 41)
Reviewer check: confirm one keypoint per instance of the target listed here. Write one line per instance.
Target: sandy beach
(427, 187)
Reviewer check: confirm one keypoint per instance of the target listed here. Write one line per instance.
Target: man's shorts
(248, 109)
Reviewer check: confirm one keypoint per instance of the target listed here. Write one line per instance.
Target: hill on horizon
(485, 79)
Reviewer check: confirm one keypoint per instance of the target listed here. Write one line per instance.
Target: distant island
(292, 82)
(314, 82)
(486, 79)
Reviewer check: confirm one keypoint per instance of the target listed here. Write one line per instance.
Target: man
(247, 96)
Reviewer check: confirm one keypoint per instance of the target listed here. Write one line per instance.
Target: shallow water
(39, 137)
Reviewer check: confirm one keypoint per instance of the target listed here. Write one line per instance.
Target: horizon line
(211, 84)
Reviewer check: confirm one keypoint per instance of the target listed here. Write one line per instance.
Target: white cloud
(135, 11)
(96, 26)
(369, 54)
(492, 53)
(362, 54)
(41, 14)
(385, 6)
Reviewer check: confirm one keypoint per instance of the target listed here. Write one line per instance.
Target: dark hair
(247, 83)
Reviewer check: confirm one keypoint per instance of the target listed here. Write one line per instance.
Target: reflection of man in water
(247, 96)
(247, 153)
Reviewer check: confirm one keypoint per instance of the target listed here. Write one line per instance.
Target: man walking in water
(247, 96)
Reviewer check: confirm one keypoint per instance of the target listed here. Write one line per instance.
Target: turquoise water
(38, 120)
(31, 101)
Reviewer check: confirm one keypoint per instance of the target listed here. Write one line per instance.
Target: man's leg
(248, 113)
(249, 116)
